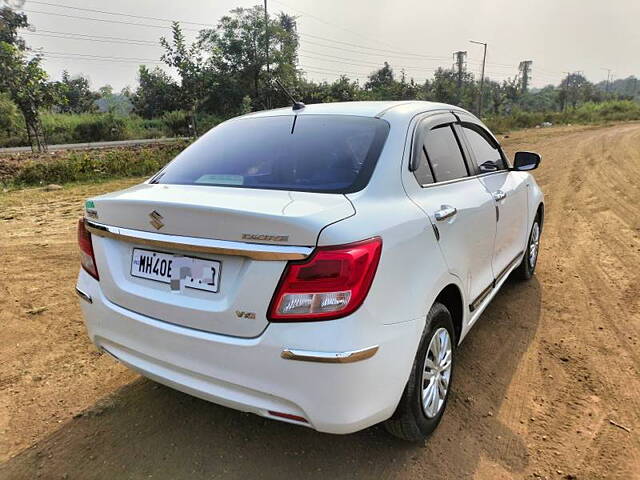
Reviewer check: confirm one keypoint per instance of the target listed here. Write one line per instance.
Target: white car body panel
(196, 341)
(190, 208)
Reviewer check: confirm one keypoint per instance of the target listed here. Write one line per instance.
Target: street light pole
(484, 60)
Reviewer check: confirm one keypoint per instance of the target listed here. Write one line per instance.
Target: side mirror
(525, 161)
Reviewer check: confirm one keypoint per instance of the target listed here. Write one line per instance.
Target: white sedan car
(316, 265)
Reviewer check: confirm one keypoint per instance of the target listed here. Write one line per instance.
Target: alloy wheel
(534, 244)
(436, 372)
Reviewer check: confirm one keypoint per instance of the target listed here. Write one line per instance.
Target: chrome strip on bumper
(255, 251)
(329, 357)
(85, 296)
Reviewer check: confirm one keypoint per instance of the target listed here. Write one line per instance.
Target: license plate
(196, 273)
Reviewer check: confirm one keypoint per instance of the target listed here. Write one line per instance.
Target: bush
(611, 111)
(93, 165)
(103, 127)
(176, 123)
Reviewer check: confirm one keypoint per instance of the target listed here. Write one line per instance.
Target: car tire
(413, 420)
(527, 267)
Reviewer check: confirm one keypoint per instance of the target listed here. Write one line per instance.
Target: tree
(10, 22)
(381, 80)
(114, 103)
(236, 53)
(156, 94)
(444, 86)
(188, 61)
(9, 117)
(23, 79)
(77, 97)
(575, 89)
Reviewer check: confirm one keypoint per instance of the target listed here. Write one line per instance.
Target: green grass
(587, 113)
(91, 166)
(63, 128)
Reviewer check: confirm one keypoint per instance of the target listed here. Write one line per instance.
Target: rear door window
(444, 154)
(316, 153)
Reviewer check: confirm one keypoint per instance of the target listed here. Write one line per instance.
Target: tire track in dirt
(537, 380)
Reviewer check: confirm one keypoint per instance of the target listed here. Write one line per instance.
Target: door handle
(499, 195)
(446, 211)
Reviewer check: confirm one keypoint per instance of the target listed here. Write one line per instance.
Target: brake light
(331, 284)
(87, 259)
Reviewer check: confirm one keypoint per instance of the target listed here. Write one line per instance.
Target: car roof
(364, 109)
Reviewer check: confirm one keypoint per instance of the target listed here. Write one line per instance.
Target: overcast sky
(419, 35)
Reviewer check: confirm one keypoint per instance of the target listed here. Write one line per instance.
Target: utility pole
(608, 81)
(525, 73)
(266, 31)
(460, 68)
(484, 60)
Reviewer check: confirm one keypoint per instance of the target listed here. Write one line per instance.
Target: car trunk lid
(251, 234)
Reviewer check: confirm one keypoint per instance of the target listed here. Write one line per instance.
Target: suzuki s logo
(156, 220)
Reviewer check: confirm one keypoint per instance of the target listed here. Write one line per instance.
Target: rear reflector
(288, 416)
(330, 284)
(87, 259)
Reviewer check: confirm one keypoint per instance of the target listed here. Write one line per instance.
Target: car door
(460, 209)
(509, 192)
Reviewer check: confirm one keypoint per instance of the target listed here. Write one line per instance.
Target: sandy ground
(539, 380)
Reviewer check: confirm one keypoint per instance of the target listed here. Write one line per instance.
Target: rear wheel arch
(540, 214)
(451, 297)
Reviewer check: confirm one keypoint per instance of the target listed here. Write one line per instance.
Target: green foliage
(225, 73)
(587, 113)
(95, 165)
(114, 103)
(237, 56)
(177, 123)
(22, 77)
(97, 127)
(76, 96)
(10, 122)
(627, 88)
(156, 94)
(188, 60)
(106, 127)
(10, 22)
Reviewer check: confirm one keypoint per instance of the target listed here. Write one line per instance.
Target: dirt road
(540, 379)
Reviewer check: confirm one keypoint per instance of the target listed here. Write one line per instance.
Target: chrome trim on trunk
(85, 296)
(256, 251)
(329, 357)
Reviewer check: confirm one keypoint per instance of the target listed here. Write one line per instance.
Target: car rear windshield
(311, 153)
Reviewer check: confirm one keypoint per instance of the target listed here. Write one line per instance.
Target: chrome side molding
(85, 296)
(329, 357)
(256, 251)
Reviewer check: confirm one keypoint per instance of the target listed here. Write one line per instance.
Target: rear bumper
(250, 374)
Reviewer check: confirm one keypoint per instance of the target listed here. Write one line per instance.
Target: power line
(399, 54)
(108, 21)
(137, 42)
(98, 36)
(118, 13)
(373, 64)
(321, 20)
(197, 30)
(350, 44)
(65, 57)
(100, 56)
(112, 41)
(364, 50)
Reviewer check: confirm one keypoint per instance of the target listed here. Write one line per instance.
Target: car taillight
(87, 259)
(331, 284)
